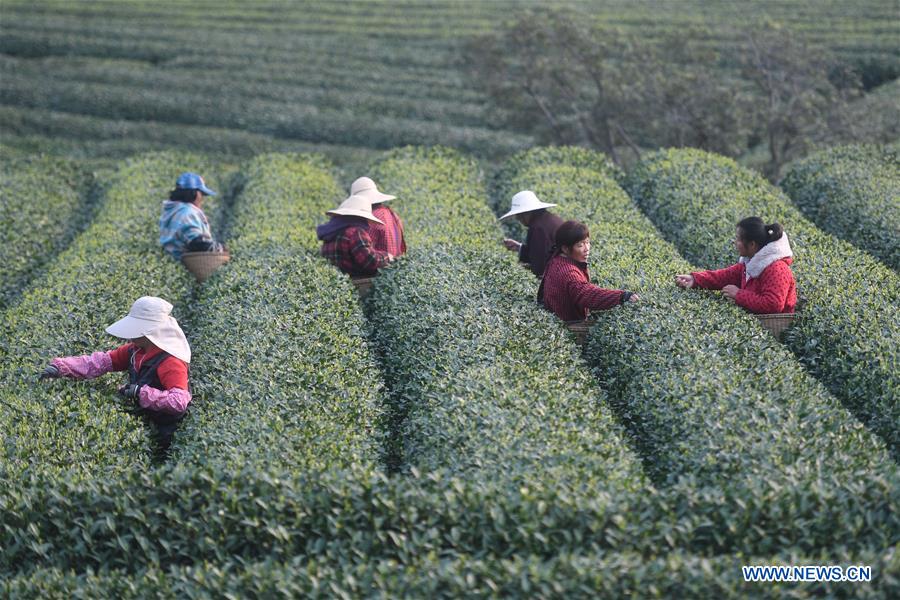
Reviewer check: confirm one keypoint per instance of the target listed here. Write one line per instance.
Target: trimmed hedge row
(78, 427)
(852, 192)
(283, 377)
(196, 514)
(466, 365)
(44, 202)
(440, 196)
(849, 336)
(277, 118)
(467, 356)
(707, 391)
(565, 576)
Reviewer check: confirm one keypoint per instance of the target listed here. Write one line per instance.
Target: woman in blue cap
(183, 226)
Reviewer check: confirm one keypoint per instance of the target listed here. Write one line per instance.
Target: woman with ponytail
(762, 281)
(566, 289)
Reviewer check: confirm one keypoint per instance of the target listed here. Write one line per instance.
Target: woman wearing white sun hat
(346, 241)
(542, 225)
(156, 357)
(387, 236)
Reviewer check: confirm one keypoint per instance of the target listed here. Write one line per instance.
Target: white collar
(780, 248)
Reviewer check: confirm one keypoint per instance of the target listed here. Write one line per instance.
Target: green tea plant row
(60, 133)
(299, 90)
(305, 122)
(852, 192)
(709, 398)
(467, 374)
(570, 575)
(208, 514)
(848, 335)
(79, 427)
(283, 373)
(43, 203)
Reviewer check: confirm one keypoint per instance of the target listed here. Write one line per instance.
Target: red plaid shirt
(351, 251)
(567, 291)
(388, 237)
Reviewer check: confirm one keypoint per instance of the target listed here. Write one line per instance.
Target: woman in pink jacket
(156, 357)
(762, 281)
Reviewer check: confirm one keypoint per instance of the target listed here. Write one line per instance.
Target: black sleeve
(198, 244)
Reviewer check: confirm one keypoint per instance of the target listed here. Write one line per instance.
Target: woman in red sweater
(762, 281)
(566, 289)
(156, 357)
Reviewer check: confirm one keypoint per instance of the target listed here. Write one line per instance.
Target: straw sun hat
(523, 202)
(366, 188)
(150, 317)
(355, 206)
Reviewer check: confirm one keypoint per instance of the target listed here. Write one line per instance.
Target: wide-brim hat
(355, 206)
(366, 188)
(523, 202)
(150, 317)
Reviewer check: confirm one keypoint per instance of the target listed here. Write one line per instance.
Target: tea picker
(347, 244)
(542, 225)
(184, 231)
(387, 236)
(762, 281)
(156, 357)
(566, 289)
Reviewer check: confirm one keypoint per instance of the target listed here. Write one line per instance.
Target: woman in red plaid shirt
(388, 235)
(346, 241)
(566, 289)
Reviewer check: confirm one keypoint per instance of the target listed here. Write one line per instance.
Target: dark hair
(182, 195)
(569, 234)
(754, 230)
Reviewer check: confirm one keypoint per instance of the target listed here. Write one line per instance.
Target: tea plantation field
(118, 77)
(446, 436)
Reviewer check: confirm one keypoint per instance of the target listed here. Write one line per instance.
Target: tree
(803, 92)
(554, 74)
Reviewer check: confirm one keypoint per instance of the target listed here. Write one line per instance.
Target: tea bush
(283, 373)
(466, 354)
(78, 427)
(44, 202)
(440, 194)
(202, 514)
(852, 192)
(849, 333)
(568, 575)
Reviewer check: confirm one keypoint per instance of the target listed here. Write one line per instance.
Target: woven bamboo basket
(203, 264)
(776, 323)
(580, 329)
(363, 285)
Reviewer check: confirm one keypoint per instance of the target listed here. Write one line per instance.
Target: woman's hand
(731, 291)
(50, 372)
(684, 281)
(634, 298)
(512, 244)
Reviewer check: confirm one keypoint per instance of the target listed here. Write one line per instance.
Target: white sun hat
(523, 202)
(366, 188)
(150, 317)
(355, 206)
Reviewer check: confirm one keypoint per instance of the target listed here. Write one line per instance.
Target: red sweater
(567, 291)
(172, 371)
(774, 291)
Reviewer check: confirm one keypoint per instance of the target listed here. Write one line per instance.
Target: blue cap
(192, 181)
